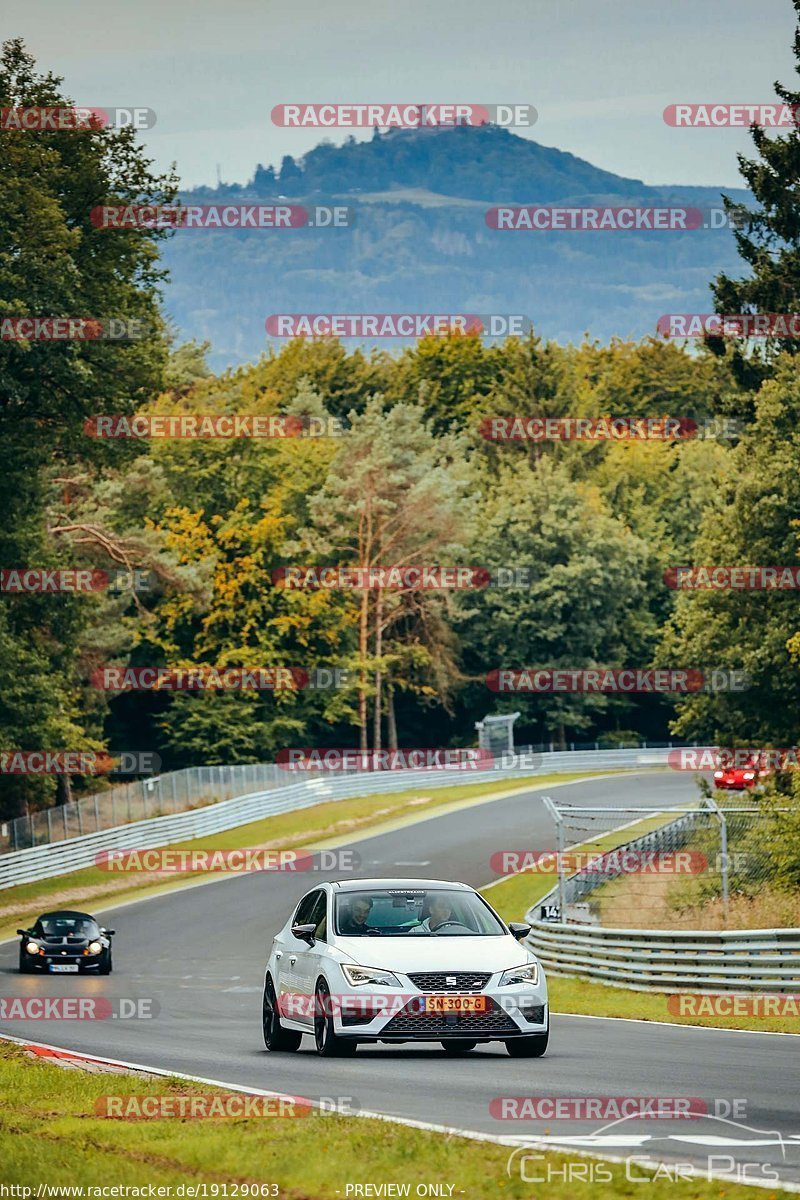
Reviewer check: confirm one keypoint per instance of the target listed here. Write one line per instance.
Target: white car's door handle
(293, 959)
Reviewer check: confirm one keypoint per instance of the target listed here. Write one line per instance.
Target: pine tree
(768, 240)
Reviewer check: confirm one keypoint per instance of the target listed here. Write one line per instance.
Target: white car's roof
(401, 885)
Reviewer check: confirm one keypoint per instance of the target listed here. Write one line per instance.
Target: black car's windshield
(423, 912)
(61, 927)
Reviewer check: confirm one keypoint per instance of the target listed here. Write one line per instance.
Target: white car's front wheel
(528, 1047)
(275, 1036)
(458, 1045)
(325, 1038)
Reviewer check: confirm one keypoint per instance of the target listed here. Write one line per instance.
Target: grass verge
(51, 1136)
(302, 828)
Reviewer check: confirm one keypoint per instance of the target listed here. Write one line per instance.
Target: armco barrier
(46, 861)
(738, 960)
(741, 960)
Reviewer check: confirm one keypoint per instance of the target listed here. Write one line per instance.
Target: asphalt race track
(200, 953)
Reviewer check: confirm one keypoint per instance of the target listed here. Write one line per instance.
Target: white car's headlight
(357, 975)
(32, 948)
(527, 973)
(94, 947)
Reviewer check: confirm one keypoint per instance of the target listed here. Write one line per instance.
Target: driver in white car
(441, 912)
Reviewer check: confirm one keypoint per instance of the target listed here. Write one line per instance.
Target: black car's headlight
(34, 948)
(95, 948)
(527, 973)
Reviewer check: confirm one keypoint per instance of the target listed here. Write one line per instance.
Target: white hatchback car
(398, 960)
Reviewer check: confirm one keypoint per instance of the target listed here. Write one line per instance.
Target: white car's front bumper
(373, 1012)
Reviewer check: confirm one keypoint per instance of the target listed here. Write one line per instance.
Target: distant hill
(420, 243)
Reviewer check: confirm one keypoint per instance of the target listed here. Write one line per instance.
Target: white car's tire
(326, 1040)
(458, 1045)
(276, 1038)
(528, 1047)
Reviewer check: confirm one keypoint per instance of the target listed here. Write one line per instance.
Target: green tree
(752, 522)
(579, 603)
(768, 241)
(395, 495)
(55, 263)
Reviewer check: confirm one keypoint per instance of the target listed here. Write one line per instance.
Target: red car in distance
(737, 776)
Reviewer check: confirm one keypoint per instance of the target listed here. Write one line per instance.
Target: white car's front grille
(450, 981)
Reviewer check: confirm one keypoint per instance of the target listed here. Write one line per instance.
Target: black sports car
(66, 942)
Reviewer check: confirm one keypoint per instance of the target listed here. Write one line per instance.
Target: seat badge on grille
(450, 980)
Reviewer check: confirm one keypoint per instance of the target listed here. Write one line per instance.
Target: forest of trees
(409, 479)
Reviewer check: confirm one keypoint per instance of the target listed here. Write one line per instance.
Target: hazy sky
(600, 72)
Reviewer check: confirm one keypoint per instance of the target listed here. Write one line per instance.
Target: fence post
(562, 895)
(724, 850)
(49, 826)
(723, 847)
(96, 814)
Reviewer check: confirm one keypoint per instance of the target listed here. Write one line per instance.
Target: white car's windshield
(423, 912)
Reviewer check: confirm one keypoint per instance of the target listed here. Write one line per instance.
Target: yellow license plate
(456, 1004)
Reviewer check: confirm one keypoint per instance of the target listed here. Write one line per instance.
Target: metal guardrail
(738, 960)
(71, 854)
(178, 791)
(137, 800)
